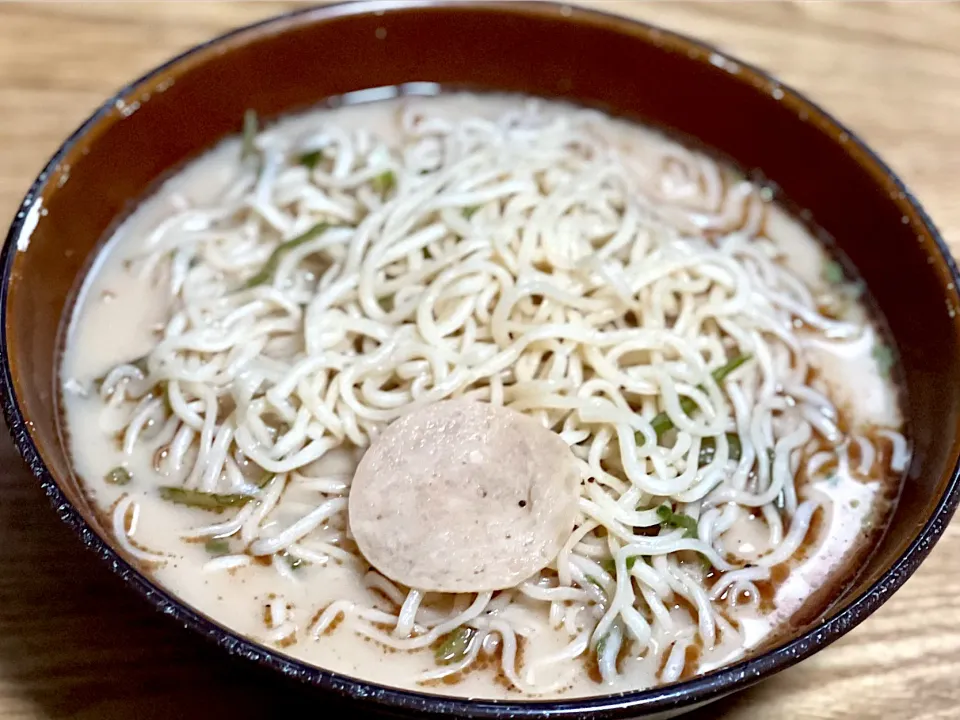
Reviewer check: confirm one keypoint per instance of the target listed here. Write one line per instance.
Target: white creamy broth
(595, 247)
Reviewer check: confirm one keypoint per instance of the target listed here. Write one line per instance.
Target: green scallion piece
(251, 126)
(217, 547)
(118, 476)
(594, 581)
(265, 274)
(722, 372)
(384, 182)
(216, 502)
(294, 563)
(454, 646)
(669, 518)
(310, 159)
(601, 644)
(883, 356)
(833, 273)
(708, 448)
(662, 422)
(610, 565)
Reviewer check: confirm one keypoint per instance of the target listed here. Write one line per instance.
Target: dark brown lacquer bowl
(299, 60)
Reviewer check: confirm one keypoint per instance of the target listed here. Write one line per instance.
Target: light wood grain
(74, 643)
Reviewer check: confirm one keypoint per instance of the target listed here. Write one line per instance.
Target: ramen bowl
(375, 50)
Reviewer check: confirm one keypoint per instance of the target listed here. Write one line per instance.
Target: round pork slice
(463, 496)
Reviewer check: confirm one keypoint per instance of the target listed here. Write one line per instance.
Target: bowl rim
(685, 694)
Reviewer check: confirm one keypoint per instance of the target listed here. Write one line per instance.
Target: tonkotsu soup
(684, 421)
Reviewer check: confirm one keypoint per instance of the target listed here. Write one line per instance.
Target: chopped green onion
(217, 547)
(708, 448)
(203, 500)
(601, 644)
(833, 272)
(265, 274)
(455, 645)
(294, 563)
(610, 565)
(677, 520)
(468, 212)
(662, 422)
(251, 126)
(883, 356)
(310, 159)
(384, 182)
(722, 372)
(118, 476)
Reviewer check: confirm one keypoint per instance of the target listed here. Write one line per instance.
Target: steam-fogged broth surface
(256, 323)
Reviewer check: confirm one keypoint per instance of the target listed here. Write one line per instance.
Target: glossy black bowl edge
(668, 699)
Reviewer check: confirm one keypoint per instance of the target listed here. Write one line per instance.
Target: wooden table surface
(75, 643)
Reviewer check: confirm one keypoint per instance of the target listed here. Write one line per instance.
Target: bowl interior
(630, 69)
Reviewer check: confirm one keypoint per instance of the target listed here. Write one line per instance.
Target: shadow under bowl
(297, 61)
